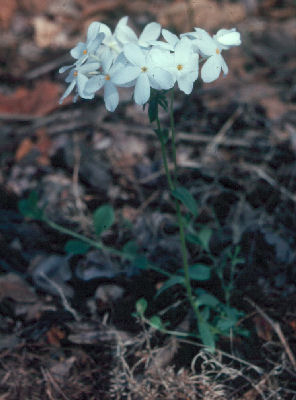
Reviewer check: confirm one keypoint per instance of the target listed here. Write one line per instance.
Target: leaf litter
(66, 327)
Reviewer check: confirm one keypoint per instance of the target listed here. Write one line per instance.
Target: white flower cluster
(123, 59)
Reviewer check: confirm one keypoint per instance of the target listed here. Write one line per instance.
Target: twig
(49, 377)
(278, 330)
(48, 67)
(64, 300)
(212, 146)
(263, 175)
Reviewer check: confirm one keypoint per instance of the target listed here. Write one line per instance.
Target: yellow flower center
(84, 51)
(144, 69)
(179, 67)
(107, 77)
(75, 73)
(217, 51)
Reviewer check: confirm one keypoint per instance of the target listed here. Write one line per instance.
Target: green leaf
(141, 306)
(141, 262)
(199, 272)
(76, 247)
(206, 335)
(103, 218)
(186, 198)
(207, 299)
(204, 236)
(156, 322)
(174, 280)
(29, 207)
(130, 248)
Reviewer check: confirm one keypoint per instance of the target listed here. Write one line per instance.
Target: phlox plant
(154, 68)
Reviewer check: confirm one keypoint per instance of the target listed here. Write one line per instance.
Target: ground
(68, 328)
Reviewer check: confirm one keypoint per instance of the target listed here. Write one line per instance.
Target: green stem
(173, 139)
(172, 186)
(100, 245)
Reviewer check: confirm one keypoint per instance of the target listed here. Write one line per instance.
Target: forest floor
(67, 329)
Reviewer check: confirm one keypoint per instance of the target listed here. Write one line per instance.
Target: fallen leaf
(24, 148)
(36, 102)
(7, 11)
(207, 13)
(14, 287)
(47, 33)
(54, 336)
(263, 328)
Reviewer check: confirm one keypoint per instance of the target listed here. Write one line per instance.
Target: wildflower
(126, 35)
(182, 64)
(143, 71)
(171, 41)
(211, 48)
(82, 51)
(111, 96)
(78, 77)
(227, 38)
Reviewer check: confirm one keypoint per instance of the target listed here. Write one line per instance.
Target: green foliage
(141, 306)
(174, 280)
(29, 207)
(182, 194)
(103, 218)
(199, 272)
(206, 334)
(76, 247)
(157, 99)
(156, 322)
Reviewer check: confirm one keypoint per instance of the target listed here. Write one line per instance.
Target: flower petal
(93, 30)
(81, 82)
(134, 54)
(164, 79)
(64, 68)
(150, 32)
(211, 69)
(204, 42)
(106, 30)
(68, 91)
(224, 66)
(170, 37)
(89, 67)
(77, 51)
(183, 51)
(111, 96)
(228, 37)
(186, 81)
(142, 89)
(94, 84)
(126, 74)
(124, 34)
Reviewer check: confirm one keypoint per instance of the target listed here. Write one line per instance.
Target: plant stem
(173, 139)
(172, 186)
(99, 245)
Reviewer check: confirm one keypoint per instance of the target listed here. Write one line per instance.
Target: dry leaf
(263, 328)
(7, 11)
(47, 33)
(15, 288)
(37, 102)
(208, 14)
(24, 148)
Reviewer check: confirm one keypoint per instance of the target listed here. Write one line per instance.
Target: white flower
(111, 96)
(78, 77)
(144, 72)
(209, 47)
(125, 34)
(112, 47)
(227, 38)
(82, 50)
(171, 41)
(182, 64)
